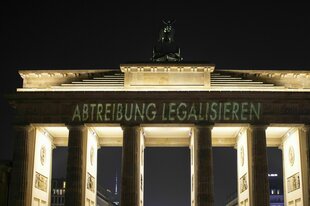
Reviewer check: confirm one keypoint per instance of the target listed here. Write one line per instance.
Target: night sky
(90, 36)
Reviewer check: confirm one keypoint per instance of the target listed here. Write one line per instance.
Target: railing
(231, 197)
(106, 194)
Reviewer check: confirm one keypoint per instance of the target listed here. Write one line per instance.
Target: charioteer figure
(166, 49)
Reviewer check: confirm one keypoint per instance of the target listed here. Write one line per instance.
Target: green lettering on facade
(192, 113)
(181, 111)
(76, 114)
(172, 111)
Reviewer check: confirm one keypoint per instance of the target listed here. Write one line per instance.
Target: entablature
(165, 77)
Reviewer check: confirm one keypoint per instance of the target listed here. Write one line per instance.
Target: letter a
(76, 113)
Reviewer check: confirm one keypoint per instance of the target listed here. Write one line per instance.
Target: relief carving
(291, 155)
(293, 182)
(243, 183)
(42, 154)
(90, 182)
(40, 182)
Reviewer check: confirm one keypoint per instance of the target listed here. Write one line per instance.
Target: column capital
(201, 125)
(124, 126)
(306, 128)
(258, 126)
(76, 126)
(19, 127)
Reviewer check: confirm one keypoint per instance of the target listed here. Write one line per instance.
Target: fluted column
(204, 192)
(75, 185)
(22, 173)
(260, 184)
(131, 174)
(307, 131)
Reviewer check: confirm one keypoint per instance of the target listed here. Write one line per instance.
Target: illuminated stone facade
(160, 104)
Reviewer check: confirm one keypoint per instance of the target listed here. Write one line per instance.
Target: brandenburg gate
(160, 104)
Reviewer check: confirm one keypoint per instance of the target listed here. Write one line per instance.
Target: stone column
(75, 182)
(259, 177)
(22, 173)
(203, 161)
(244, 163)
(307, 131)
(295, 166)
(131, 160)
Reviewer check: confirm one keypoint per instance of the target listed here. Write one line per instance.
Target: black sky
(104, 35)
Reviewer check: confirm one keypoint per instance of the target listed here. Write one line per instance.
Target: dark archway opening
(109, 175)
(167, 177)
(275, 173)
(59, 173)
(225, 175)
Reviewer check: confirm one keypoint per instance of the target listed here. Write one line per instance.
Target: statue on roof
(165, 48)
(167, 33)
